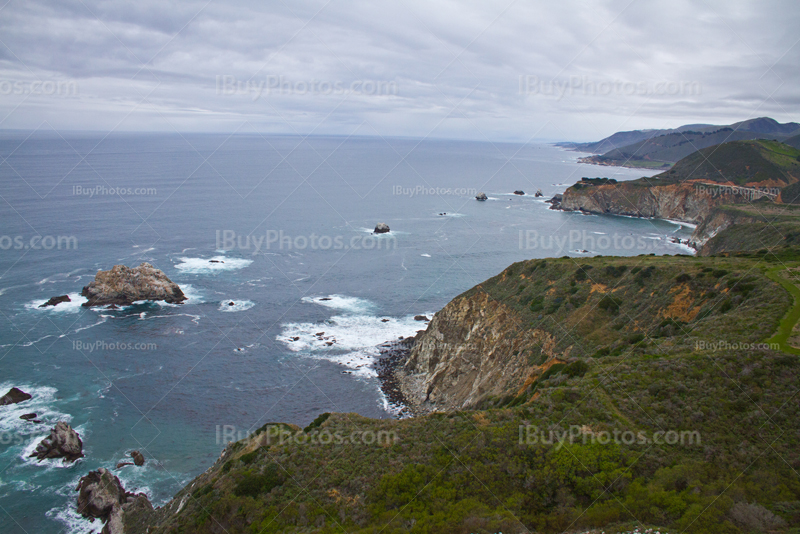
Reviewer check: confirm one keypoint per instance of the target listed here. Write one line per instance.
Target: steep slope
(671, 146)
(662, 414)
(740, 172)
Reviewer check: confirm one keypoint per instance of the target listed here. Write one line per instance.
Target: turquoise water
(288, 221)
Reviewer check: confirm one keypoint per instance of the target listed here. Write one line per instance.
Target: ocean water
(289, 291)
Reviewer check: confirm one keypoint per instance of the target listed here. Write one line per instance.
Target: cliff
(536, 378)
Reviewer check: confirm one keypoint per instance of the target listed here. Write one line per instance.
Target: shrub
(682, 278)
(321, 418)
(577, 368)
(609, 304)
(253, 485)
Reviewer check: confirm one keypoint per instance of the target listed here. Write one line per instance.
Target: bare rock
(102, 496)
(14, 396)
(63, 442)
(421, 318)
(481, 196)
(123, 286)
(28, 416)
(138, 458)
(381, 228)
(55, 301)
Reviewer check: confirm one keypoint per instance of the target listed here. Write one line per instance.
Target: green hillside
(662, 348)
(739, 162)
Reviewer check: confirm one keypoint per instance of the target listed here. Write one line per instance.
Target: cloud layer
(480, 70)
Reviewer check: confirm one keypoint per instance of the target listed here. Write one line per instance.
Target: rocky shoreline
(394, 355)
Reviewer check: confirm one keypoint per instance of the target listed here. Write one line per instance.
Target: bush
(682, 278)
(253, 485)
(321, 418)
(577, 368)
(609, 304)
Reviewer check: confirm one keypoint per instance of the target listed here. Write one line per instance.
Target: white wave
(425, 255)
(348, 332)
(73, 306)
(75, 524)
(680, 223)
(211, 265)
(42, 403)
(235, 305)
(599, 233)
(447, 214)
(342, 302)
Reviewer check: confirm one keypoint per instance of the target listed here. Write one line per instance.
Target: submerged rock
(103, 497)
(14, 396)
(481, 196)
(123, 286)
(27, 416)
(55, 301)
(63, 442)
(381, 228)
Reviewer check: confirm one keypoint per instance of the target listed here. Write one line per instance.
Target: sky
(502, 70)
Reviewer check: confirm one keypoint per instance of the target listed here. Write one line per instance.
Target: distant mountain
(793, 141)
(660, 148)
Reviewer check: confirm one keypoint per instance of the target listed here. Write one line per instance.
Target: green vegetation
(642, 334)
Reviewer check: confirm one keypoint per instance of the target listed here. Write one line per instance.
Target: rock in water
(103, 497)
(421, 318)
(63, 442)
(27, 416)
(55, 301)
(381, 228)
(481, 196)
(138, 458)
(14, 396)
(519, 192)
(538, 193)
(123, 286)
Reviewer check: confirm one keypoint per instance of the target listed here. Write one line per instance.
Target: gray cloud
(507, 70)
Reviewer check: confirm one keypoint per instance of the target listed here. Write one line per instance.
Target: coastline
(394, 355)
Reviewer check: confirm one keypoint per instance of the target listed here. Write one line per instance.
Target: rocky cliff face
(693, 203)
(474, 347)
(684, 201)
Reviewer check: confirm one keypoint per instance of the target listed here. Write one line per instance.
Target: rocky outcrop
(381, 228)
(481, 196)
(684, 201)
(138, 458)
(474, 347)
(63, 442)
(103, 497)
(520, 192)
(123, 286)
(55, 301)
(14, 396)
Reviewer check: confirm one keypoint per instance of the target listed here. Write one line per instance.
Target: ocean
(270, 237)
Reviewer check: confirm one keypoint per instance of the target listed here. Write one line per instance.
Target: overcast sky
(499, 70)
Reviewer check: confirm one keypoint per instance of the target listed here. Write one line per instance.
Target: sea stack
(123, 286)
(63, 442)
(381, 228)
(14, 396)
(481, 196)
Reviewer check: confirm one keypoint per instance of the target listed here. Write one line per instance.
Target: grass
(788, 323)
